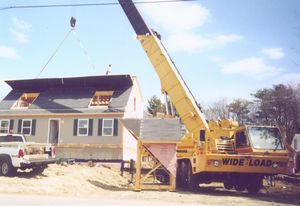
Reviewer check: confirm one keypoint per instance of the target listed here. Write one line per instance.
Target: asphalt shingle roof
(68, 95)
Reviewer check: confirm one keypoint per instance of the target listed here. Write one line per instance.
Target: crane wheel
(192, 182)
(255, 184)
(228, 185)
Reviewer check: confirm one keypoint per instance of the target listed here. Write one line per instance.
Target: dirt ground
(81, 180)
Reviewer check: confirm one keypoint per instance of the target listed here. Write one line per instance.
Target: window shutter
(99, 127)
(116, 127)
(90, 127)
(11, 125)
(75, 126)
(33, 126)
(19, 126)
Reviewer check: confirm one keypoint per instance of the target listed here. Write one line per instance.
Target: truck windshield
(265, 138)
(11, 138)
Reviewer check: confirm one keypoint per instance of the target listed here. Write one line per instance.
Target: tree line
(278, 105)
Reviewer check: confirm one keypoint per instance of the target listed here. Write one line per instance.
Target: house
(81, 115)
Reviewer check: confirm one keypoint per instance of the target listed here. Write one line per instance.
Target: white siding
(129, 145)
(135, 104)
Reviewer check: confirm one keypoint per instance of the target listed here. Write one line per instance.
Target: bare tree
(217, 110)
(279, 105)
(239, 110)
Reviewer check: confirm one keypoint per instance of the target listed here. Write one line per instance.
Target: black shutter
(33, 126)
(116, 127)
(90, 127)
(75, 127)
(99, 127)
(19, 126)
(11, 125)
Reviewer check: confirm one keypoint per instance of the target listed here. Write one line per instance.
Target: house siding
(135, 104)
(65, 100)
(129, 145)
(40, 128)
(67, 136)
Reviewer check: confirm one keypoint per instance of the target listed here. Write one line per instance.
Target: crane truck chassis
(211, 151)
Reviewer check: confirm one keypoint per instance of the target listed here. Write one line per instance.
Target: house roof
(155, 129)
(108, 82)
(68, 95)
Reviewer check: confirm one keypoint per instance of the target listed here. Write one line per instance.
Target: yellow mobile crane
(211, 151)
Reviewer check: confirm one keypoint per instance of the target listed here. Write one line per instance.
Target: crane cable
(72, 24)
(55, 51)
(84, 50)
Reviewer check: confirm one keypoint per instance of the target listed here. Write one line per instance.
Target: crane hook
(73, 22)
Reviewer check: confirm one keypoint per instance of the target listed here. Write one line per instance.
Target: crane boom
(237, 155)
(171, 81)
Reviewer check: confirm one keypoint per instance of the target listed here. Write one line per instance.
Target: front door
(53, 131)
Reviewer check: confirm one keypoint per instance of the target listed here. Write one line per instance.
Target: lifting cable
(84, 50)
(56, 50)
(72, 24)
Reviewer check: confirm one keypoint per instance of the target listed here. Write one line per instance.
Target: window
(241, 139)
(25, 100)
(11, 138)
(101, 98)
(107, 127)
(26, 126)
(4, 126)
(266, 138)
(83, 127)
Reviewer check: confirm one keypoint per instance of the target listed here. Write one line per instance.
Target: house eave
(107, 114)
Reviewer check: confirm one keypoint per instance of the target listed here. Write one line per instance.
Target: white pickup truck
(17, 153)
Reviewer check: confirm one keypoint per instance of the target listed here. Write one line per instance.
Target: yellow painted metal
(190, 147)
(263, 164)
(173, 85)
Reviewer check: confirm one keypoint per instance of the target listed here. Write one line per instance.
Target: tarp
(165, 154)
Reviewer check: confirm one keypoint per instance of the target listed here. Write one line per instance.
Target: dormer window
(101, 98)
(25, 100)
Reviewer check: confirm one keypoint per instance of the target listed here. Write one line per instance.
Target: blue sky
(223, 48)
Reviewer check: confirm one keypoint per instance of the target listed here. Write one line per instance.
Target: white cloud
(191, 42)
(8, 52)
(253, 67)
(20, 30)
(216, 58)
(187, 42)
(177, 16)
(180, 21)
(289, 78)
(229, 38)
(273, 53)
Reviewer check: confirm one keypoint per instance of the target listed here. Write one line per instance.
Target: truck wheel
(6, 168)
(240, 187)
(183, 174)
(255, 185)
(192, 181)
(228, 185)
